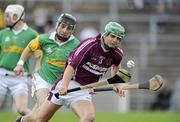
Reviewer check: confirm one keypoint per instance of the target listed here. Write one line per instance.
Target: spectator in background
(13, 39)
(162, 100)
(2, 25)
(138, 4)
(49, 26)
(161, 15)
(40, 18)
(87, 32)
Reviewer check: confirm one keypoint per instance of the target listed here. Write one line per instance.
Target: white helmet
(15, 9)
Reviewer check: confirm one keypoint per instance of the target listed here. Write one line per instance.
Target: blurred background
(152, 41)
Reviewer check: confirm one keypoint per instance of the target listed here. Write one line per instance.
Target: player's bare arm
(32, 46)
(117, 87)
(66, 78)
(19, 68)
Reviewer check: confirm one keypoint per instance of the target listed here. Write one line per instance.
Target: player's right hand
(19, 70)
(118, 89)
(63, 90)
(91, 91)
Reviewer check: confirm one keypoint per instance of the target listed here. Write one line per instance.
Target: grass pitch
(106, 117)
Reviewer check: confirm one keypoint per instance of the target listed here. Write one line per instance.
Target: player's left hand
(91, 91)
(118, 89)
(63, 90)
(19, 70)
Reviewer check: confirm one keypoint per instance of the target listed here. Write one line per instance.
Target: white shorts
(70, 98)
(39, 83)
(16, 84)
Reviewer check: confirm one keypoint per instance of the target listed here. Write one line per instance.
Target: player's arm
(68, 73)
(117, 87)
(38, 56)
(114, 69)
(75, 58)
(31, 47)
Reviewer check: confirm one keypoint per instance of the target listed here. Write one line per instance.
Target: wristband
(20, 62)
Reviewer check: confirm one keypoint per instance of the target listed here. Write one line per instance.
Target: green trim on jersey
(54, 57)
(12, 45)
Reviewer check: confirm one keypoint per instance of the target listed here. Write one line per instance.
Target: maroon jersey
(90, 61)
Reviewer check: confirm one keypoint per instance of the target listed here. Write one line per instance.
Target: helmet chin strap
(11, 26)
(62, 39)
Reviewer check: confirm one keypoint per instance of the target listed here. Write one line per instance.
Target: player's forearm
(114, 69)
(37, 65)
(25, 54)
(69, 71)
(38, 56)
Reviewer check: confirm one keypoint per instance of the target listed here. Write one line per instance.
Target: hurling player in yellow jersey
(13, 39)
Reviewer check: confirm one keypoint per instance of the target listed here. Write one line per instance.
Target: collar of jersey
(25, 27)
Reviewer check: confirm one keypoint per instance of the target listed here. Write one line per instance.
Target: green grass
(106, 117)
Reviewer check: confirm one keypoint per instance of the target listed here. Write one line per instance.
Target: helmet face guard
(67, 19)
(14, 10)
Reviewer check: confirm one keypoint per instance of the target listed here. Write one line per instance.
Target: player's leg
(2, 98)
(41, 96)
(3, 92)
(3, 89)
(84, 110)
(19, 90)
(40, 88)
(21, 102)
(81, 103)
(44, 114)
(46, 111)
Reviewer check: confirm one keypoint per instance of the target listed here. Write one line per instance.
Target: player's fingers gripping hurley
(10, 73)
(122, 76)
(18, 70)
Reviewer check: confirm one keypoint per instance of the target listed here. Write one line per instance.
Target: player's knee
(22, 110)
(88, 117)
